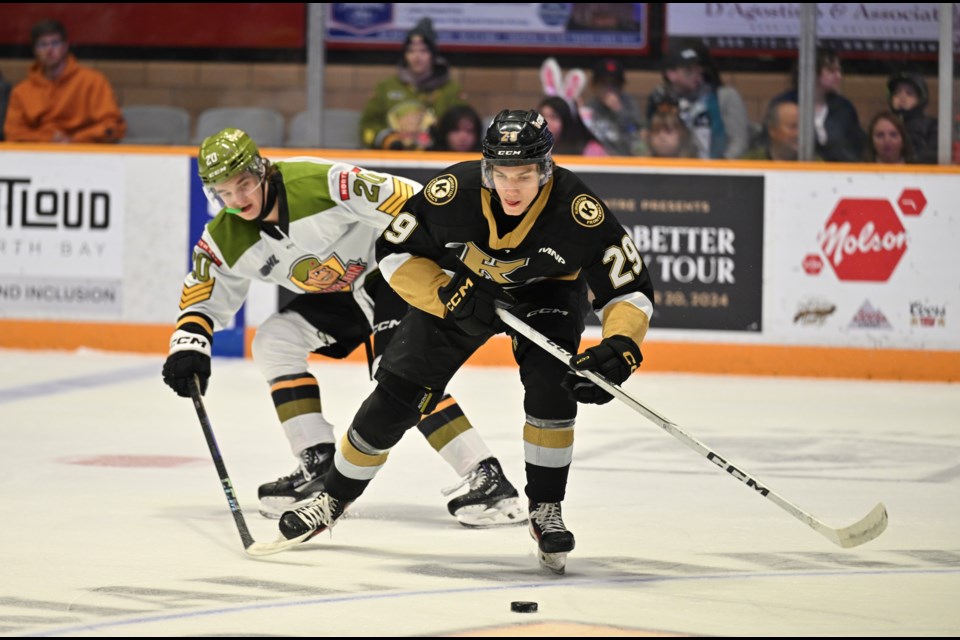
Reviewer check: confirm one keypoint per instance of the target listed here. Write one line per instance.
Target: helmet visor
(544, 168)
(235, 193)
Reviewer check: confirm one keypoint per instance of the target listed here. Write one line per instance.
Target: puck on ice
(523, 607)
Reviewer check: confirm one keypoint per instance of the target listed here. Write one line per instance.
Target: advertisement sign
(883, 30)
(868, 262)
(548, 27)
(703, 246)
(61, 235)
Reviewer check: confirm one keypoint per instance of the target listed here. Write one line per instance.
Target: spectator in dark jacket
(907, 97)
(839, 137)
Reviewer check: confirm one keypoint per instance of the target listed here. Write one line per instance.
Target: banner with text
(703, 246)
(877, 30)
(498, 26)
(61, 235)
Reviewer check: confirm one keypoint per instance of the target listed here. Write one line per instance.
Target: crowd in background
(691, 114)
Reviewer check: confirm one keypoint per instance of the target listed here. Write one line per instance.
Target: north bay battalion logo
(441, 189)
(587, 211)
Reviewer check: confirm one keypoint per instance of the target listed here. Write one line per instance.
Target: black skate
(490, 500)
(307, 521)
(554, 542)
(301, 486)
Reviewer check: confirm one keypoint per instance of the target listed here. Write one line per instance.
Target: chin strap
(269, 200)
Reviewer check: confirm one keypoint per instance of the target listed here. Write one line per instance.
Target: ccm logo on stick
(736, 473)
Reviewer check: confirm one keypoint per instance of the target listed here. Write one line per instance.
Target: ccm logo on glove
(457, 296)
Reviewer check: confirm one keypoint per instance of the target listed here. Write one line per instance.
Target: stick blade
(258, 549)
(860, 532)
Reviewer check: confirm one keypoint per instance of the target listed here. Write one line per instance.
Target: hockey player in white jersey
(310, 225)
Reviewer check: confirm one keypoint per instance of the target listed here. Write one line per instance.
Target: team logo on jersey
(312, 274)
(441, 189)
(489, 267)
(587, 211)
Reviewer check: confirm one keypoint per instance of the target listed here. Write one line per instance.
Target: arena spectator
(458, 130)
(907, 96)
(888, 142)
(614, 116)
(839, 137)
(570, 136)
(61, 100)
(403, 108)
(698, 104)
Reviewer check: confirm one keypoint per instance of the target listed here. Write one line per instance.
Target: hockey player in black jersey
(509, 230)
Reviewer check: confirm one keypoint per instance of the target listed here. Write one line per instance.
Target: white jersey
(331, 214)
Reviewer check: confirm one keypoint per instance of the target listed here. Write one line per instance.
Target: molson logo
(863, 240)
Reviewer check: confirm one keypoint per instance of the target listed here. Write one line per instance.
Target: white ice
(113, 522)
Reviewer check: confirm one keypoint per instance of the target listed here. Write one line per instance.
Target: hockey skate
(301, 486)
(490, 500)
(307, 521)
(554, 542)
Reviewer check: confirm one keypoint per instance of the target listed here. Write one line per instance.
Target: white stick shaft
(864, 530)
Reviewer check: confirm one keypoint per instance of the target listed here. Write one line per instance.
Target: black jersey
(567, 232)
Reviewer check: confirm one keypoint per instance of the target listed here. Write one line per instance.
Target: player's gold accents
(625, 319)
(484, 265)
(196, 293)
(401, 193)
(417, 281)
(513, 239)
(200, 320)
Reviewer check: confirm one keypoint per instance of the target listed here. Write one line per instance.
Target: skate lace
(475, 479)
(319, 513)
(548, 518)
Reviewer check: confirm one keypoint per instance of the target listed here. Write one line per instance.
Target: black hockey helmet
(517, 138)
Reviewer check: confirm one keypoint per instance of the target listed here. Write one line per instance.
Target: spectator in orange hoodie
(61, 100)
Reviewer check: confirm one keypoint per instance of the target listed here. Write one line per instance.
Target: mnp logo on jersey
(864, 239)
(230, 341)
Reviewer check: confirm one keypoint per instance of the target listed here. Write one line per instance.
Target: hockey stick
(251, 546)
(864, 530)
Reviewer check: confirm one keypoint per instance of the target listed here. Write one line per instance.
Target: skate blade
(258, 549)
(507, 512)
(555, 562)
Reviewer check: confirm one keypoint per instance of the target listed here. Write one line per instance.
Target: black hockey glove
(615, 358)
(189, 356)
(472, 301)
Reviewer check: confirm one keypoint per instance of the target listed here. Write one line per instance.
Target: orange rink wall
(687, 357)
(659, 356)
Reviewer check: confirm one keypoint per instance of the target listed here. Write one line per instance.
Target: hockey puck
(523, 607)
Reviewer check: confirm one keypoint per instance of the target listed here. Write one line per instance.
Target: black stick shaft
(225, 483)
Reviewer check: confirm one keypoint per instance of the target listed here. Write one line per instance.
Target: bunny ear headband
(568, 87)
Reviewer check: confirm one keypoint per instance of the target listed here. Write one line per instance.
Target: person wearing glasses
(61, 100)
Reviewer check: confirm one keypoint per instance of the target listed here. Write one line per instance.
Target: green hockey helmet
(227, 154)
